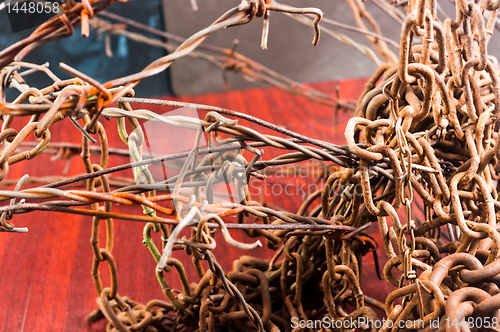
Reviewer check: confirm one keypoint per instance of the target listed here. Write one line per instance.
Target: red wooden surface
(45, 282)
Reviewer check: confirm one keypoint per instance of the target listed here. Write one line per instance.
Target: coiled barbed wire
(424, 135)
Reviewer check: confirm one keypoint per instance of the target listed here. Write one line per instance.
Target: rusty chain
(424, 137)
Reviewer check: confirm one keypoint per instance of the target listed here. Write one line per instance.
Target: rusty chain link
(423, 140)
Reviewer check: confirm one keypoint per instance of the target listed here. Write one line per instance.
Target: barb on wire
(424, 135)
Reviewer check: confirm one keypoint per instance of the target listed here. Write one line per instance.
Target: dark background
(88, 54)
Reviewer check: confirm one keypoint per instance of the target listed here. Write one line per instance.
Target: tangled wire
(424, 134)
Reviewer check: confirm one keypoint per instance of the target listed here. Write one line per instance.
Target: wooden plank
(45, 282)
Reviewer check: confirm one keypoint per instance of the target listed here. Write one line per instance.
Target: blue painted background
(88, 54)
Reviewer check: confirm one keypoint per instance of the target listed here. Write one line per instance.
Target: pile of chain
(424, 135)
(436, 108)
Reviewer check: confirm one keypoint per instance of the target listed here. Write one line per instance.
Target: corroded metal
(424, 136)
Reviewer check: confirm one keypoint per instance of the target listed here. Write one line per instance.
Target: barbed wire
(424, 135)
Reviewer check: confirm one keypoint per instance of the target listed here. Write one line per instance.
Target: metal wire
(424, 134)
